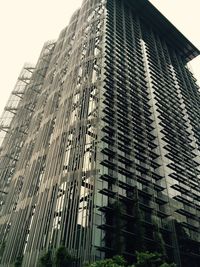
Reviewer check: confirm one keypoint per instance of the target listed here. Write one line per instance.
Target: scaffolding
(14, 100)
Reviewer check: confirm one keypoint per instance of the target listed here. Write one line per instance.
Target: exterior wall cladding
(102, 154)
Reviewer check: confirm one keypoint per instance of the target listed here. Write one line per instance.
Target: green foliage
(63, 258)
(46, 259)
(18, 262)
(116, 261)
(148, 259)
(144, 259)
(168, 265)
(159, 242)
(140, 229)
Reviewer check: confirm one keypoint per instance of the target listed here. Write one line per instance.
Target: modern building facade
(101, 152)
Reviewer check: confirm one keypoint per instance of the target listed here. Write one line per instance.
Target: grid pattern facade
(102, 152)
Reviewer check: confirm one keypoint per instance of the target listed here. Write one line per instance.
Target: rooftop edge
(166, 28)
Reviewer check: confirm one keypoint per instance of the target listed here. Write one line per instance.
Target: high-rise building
(101, 145)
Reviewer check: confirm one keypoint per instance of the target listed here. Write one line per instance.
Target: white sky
(26, 24)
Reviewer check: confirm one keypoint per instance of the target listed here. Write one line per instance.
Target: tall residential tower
(102, 146)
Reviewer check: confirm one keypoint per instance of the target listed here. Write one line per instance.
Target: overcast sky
(26, 24)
